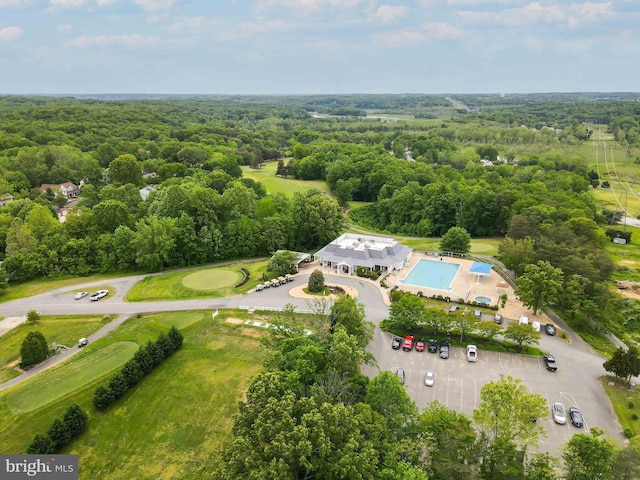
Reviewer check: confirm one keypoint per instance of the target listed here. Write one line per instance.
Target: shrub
(76, 419)
(59, 434)
(316, 281)
(630, 404)
(33, 316)
(41, 445)
(634, 417)
(628, 432)
(102, 398)
(396, 295)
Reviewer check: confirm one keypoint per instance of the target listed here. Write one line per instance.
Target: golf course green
(211, 279)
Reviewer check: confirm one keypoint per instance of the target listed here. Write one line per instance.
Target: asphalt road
(458, 382)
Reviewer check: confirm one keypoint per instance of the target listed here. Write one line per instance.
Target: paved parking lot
(458, 383)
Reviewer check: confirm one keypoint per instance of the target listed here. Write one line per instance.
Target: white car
(472, 353)
(98, 295)
(535, 326)
(429, 378)
(81, 295)
(559, 415)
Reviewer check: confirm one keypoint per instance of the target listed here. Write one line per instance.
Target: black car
(576, 417)
(550, 362)
(396, 343)
(550, 329)
(433, 346)
(444, 349)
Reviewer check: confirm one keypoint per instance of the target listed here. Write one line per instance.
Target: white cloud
(399, 38)
(127, 41)
(66, 3)
(64, 27)
(389, 13)
(308, 6)
(250, 28)
(443, 31)
(155, 5)
(189, 23)
(10, 33)
(535, 13)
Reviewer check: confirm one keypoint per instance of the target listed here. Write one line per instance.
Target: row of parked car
(432, 345)
(274, 283)
(559, 415)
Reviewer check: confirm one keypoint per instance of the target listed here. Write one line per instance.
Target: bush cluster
(34, 349)
(72, 424)
(372, 274)
(143, 362)
(615, 233)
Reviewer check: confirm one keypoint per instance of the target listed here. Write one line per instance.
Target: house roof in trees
(365, 251)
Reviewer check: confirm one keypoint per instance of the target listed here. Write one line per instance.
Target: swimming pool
(486, 300)
(430, 274)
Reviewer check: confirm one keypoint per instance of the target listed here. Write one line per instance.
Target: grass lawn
(626, 257)
(273, 184)
(42, 285)
(172, 425)
(172, 285)
(211, 279)
(63, 330)
(620, 396)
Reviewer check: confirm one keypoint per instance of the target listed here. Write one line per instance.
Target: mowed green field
(626, 257)
(63, 330)
(274, 184)
(172, 425)
(42, 285)
(171, 286)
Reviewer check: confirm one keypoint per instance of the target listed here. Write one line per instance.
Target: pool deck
(465, 285)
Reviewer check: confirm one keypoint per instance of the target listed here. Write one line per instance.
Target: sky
(318, 46)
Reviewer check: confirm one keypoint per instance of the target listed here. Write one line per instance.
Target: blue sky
(318, 46)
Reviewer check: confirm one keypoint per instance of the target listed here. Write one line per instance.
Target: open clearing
(174, 423)
(211, 279)
(274, 184)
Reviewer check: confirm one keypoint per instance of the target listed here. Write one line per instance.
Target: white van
(536, 326)
(523, 320)
(472, 353)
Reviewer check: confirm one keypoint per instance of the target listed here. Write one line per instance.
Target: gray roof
(386, 257)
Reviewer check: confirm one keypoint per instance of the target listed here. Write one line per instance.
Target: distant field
(63, 330)
(626, 257)
(274, 184)
(171, 286)
(174, 424)
(42, 285)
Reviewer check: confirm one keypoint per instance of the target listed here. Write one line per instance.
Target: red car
(420, 345)
(408, 343)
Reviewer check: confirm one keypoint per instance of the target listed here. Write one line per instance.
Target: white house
(68, 190)
(350, 251)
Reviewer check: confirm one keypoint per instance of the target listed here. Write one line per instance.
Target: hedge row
(61, 432)
(143, 362)
(372, 274)
(245, 278)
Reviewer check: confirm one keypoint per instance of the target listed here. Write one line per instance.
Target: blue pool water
(430, 274)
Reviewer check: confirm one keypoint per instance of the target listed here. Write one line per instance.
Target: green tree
(176, 338)
(282, 262)
(33, 317)
(41, 445)
(76, 419)
(4, 278)
(587, 457)
(103, 398)
(407, 313)
(624, 363)
(34, 349)
(437, 320)
(522, 334)
(317, 219)
(517, 254)
(464, 322)
(125, 169)
(316, 281)
(346, 311)
(489, 329)
(109, 215)
(59, 434)
(506, 418)
(345, 355)
(388, 398)
(456, 240)
(154, 242)
(539, 285)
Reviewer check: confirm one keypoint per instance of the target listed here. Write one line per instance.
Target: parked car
(400, 375)
(429, 379)
(472, 353)
(444, 349)
(477, 313)
(98, 295)
(576, 417)
(420, 345)
(550, 362)
(523, 320)
(497, 318)
(550, 329)
(535, 326)
(407, 346)
(83, 342)
(453, 308)
(396, 343)
(433, 345)
(558, 413)
(81, 295)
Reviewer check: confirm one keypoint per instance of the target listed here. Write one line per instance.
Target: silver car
(400, 374)
(559, 415)
(429, 379)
